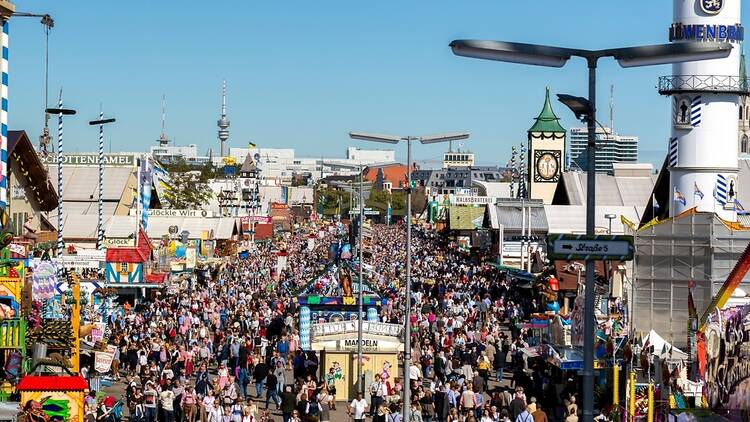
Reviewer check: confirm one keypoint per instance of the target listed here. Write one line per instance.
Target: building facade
(612, 148)
(456, 180)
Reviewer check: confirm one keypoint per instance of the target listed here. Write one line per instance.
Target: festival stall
(61, 397)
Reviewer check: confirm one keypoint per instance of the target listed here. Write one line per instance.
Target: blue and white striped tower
(4, 119)
(60, 177)
(100, 225)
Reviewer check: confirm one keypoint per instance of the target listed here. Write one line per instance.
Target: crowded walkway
(226, 348)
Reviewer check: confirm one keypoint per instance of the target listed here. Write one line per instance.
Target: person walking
(357, 408)
(288, 403)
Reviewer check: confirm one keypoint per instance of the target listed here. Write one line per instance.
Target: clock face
(547, 166)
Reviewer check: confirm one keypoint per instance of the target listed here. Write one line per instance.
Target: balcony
(715, 84)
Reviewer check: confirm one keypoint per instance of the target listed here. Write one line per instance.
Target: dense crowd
(226, 346)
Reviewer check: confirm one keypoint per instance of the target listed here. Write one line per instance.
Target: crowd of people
(226, 346)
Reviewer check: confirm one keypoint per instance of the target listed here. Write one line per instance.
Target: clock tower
(546, 159)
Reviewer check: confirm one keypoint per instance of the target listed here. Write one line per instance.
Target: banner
(103, 360)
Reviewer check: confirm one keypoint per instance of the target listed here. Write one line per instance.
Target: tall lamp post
(60, 111)
(100, 226)
(585, 109)
(390, 139)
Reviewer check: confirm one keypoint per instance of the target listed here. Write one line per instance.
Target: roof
(494, 189)
(121, 226)
(610, 190)
(394, 173)
(465, 217)
(52, 383)
(21, 151)
(140, 253)
(507, 214)
(79, 226)
(248, 166)
(571, 218)
(547, 120)
(81, 183)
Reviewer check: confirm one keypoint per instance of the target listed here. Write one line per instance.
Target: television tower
(163, 139)
(223, 122)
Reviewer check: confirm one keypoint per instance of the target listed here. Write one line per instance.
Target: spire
(547, 120)
(743, 71)
(223, 122)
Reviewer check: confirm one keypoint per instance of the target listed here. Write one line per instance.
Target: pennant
(679, 197)
(629, 224)
(696, 191)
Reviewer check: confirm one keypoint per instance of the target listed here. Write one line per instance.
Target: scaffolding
(694, 250)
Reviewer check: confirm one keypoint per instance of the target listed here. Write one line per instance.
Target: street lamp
(391, 139)
(60, 111)
(100, 226)
(540, 55)
(610, 217)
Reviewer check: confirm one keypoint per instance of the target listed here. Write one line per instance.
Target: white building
(612, 148)
(280, 165)
(169, 154)
(458, 159)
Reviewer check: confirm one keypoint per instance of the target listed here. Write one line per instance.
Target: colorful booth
(61, 397)
(126, 265)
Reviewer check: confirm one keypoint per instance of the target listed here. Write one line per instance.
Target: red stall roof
(140, 253)
(52, 383)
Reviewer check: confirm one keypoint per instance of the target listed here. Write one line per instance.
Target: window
(123, 268)
(743, 145)
(742, 115)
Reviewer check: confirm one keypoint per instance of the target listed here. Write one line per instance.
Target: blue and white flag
(696, 191)
(145, 191)
(679, 197)
(654, 204)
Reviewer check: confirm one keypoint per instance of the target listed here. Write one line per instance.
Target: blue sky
(302, 74)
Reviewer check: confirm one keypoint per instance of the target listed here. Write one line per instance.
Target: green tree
(190, 188)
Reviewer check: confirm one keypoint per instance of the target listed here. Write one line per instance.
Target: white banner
(103, 360)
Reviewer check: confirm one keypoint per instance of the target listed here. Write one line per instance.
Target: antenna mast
(163, 139)
(611, 109)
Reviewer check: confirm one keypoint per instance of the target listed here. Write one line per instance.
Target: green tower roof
(547, 120)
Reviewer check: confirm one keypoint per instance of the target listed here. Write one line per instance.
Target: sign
(44, 280)
(110, 160)
(608, 248)
(173, 229)
(119, 242)
(711, 7)
(76, 262)
(368, 327)
(710, 33)
(103, 360)
(176, 213)
(278, 206)
(367, 344)
(97, 333)
(190, 258)
(18, 249)
(472, 200)
(368, 211)
(18, 192)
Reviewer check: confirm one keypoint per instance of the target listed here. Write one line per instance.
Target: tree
(188, 191)
(190, 188)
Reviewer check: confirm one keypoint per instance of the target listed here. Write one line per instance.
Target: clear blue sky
(302, 74)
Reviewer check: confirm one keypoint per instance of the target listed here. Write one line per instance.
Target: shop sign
(472, 200)
(17, 249)
(367, 344)
(368, 327)
(110, 160)
(75, 262)
(713, 33)
(119, 242)
(153, 212)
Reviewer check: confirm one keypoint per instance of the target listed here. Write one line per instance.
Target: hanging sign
(103, 360)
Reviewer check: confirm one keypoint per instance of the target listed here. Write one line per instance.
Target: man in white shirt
(357, 408)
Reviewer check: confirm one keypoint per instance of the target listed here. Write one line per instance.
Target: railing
(12, 333)
(702, 83)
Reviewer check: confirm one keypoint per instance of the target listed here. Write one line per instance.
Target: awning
(515, 272)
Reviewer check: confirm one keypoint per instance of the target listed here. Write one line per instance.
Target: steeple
(547, 120)
(223, 122)
(743, 71)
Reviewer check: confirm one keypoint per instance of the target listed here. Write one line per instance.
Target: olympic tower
(702, 154)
